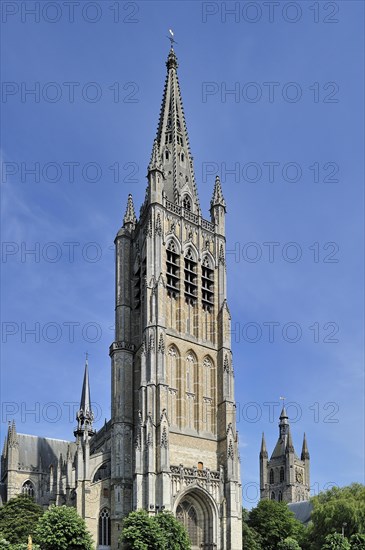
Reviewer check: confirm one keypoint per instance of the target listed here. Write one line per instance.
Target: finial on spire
(171, 38)
(171, 62)
(130, 215)
(217, 199)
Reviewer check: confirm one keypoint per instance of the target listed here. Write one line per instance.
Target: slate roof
(302, 510)
(40, 452)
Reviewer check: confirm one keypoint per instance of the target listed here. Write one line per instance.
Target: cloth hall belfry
(171, 442)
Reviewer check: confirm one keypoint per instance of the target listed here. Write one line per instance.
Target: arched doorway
(196, 511)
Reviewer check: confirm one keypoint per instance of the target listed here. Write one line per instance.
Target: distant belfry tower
(174, 443)
(284, 477)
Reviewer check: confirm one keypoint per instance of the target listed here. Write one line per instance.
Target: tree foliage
(61, 528)
(18, 518)
(288, 544)
(161, 532)
(274, 522)
(175, 534)
(335, 541)
(357, 542)
(334, 508)
(251, 540)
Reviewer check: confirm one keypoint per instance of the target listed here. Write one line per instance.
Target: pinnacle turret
(155, 162)
(217, 199)
(289, 442)
(305, 452)
(13, 436)
(130, 215)
(263, 451)
(85, 415)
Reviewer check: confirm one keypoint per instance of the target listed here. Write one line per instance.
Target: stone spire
(263, 451)
(85, 415)
(171, 147)
(217, 199)
(305, 452)
(130, 215)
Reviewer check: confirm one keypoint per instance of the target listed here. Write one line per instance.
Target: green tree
(251, 540)
(288, 544)
(273, 521)
(357, 541)
(334, 508)
(175, 534)
(18, 519)
(335, 541)
(141, 532)
(4, 544)
(61, 528)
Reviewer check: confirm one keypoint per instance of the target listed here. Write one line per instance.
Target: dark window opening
(187, 203)
(282, 474)
(104, 528)
(207, 285)
(190, 276)
(172, 270)
(28, 489)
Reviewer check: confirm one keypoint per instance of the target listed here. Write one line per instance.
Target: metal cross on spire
(171, 38)
(283, 400)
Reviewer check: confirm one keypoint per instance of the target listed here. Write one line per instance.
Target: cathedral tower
(284, 477)
(174, 443)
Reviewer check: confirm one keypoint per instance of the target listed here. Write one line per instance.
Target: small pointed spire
(13, 436)
(284, 414)
(155, 162)
(263, 451)
(305, 452)
(85, 415)
(289, 442)
(85, 402)
(130, 215)
(6, 441)
(217, 199)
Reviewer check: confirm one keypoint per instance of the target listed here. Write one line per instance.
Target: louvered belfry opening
(190, 277)
(172, 270)
(207, 285)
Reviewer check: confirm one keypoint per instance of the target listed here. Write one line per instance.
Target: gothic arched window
(207, 284)
(271, 480)
(28, 489)
(187, 515)
(172, 269)
(273, 496)
(282, 474)
(280, 496)
(104, 528)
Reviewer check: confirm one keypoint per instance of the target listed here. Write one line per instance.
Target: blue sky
(292, 131)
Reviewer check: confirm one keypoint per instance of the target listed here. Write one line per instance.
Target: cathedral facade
(285, 477)
(171, 443)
